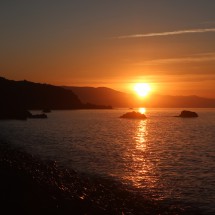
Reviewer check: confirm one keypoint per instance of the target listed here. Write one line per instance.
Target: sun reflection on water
(140, 136)
(142, 110)
(141, 170)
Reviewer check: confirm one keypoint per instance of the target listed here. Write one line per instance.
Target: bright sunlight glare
(142, 110)
(142, 89)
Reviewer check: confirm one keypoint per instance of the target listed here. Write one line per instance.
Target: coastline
(32, 186)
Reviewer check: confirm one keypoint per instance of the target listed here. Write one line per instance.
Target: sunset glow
(107, 105)
(142, 89)
(72, 43)
(142, 110)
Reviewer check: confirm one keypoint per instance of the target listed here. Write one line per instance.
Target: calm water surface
(164, 157)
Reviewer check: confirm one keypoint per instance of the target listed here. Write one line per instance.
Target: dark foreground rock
(31, 186)
(188, 114)
(133, 115)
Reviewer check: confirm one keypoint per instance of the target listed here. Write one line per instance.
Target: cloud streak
(168, 33)
(189, 60)
(204, 57)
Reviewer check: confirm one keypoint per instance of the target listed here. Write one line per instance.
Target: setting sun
(142, 89)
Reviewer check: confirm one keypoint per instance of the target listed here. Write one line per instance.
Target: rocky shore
(31, 186)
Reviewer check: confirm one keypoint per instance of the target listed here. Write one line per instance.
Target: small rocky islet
(138, 115)
(188, 114)
(133, 115)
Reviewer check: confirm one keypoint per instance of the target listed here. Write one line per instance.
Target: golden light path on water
(142, 110)
(142, 172)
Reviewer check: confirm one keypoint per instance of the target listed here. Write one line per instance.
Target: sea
(163, 157)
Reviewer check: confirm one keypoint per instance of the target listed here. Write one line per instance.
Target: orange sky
(112, 44)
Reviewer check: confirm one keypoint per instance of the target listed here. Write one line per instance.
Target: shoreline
(32, 186)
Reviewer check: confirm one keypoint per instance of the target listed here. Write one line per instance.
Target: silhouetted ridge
(107, 96)
(29, 95)
(103, 96)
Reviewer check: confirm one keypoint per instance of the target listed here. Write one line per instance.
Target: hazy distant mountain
(181, 101)
(29, 95)
(103, 96)
(107, 96)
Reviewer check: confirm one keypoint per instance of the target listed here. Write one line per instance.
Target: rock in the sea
(14, 113)
(133, 115)
(188, 114)
(11, 113)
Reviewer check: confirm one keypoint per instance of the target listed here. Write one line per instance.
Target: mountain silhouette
(107, 96)
(36, 96)
(103, 95)
(30, 95)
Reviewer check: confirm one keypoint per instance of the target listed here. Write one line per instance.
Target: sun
(142, 89)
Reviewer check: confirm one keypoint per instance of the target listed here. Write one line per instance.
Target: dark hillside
(36, 96)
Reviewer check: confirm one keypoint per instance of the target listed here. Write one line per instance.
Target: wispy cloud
(168, 33)
(203, 57)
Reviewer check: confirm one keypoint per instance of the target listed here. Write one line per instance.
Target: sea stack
(188, 114)
(133, 115)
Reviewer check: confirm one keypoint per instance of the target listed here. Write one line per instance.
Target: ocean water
(163, 157)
